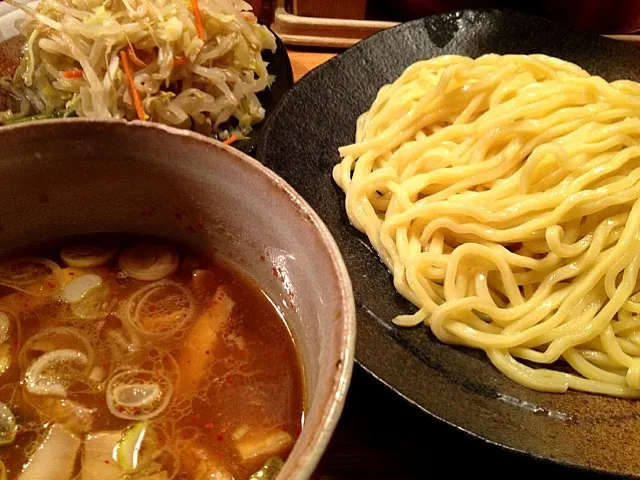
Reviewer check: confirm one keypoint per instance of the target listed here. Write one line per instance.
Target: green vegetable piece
(138, 448)
(269, 470)
(130, 456)
(5, 324)
(39, 116)
(5, 346)
(5, 357)
(8, 426)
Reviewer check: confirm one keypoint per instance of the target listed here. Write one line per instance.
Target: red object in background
(601, 16)
(264, 10)
(350, 9)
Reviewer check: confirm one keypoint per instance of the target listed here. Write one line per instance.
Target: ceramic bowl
(77, 176)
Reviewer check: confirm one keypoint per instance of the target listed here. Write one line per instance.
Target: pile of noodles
(503, 193)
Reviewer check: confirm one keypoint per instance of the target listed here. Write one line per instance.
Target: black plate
(279, 65)
(456, 385)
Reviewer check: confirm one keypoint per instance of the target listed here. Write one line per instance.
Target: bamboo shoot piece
(98, 460)
(196, 356)
(266, 444)
(240, 432)
(55, 458)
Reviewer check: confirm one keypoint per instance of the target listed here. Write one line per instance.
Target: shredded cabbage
(72, 63)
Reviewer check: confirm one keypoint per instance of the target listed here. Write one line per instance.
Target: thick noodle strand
(503, 194)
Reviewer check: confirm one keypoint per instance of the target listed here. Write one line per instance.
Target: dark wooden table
(381, 436)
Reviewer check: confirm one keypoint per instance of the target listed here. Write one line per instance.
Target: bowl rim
(306, 460)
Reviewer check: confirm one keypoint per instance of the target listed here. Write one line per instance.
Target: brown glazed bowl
(77, 176)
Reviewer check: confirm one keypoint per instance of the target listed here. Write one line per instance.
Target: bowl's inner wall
(59, 180)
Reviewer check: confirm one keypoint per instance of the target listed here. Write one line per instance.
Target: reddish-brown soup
(152, 365)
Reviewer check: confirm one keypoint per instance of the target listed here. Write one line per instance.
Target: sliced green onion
(96, 304)
(137, 448)
(129, 447)
(80, 287)
(5, 324)
(8, 428)
(119, 388)
(40, 383)
(5, 346)
(36, 276)
(5, 357)
(269, 470)
(88, 254)
(149, 261)
(159, 308)
(56, 338)
(136, 396)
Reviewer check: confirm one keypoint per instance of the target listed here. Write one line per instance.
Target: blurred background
(326, 23)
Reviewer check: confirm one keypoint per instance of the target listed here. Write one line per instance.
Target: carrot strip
(177, 61)
(135, 59)
(230, 140)
(249, 17)
(137, 102)
(198, 18)
(72, 74)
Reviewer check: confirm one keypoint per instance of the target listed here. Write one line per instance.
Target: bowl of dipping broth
(169, 309)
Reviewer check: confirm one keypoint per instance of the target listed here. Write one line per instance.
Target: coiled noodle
(502, 192)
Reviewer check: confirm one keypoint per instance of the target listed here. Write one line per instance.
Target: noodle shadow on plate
(454, 384)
